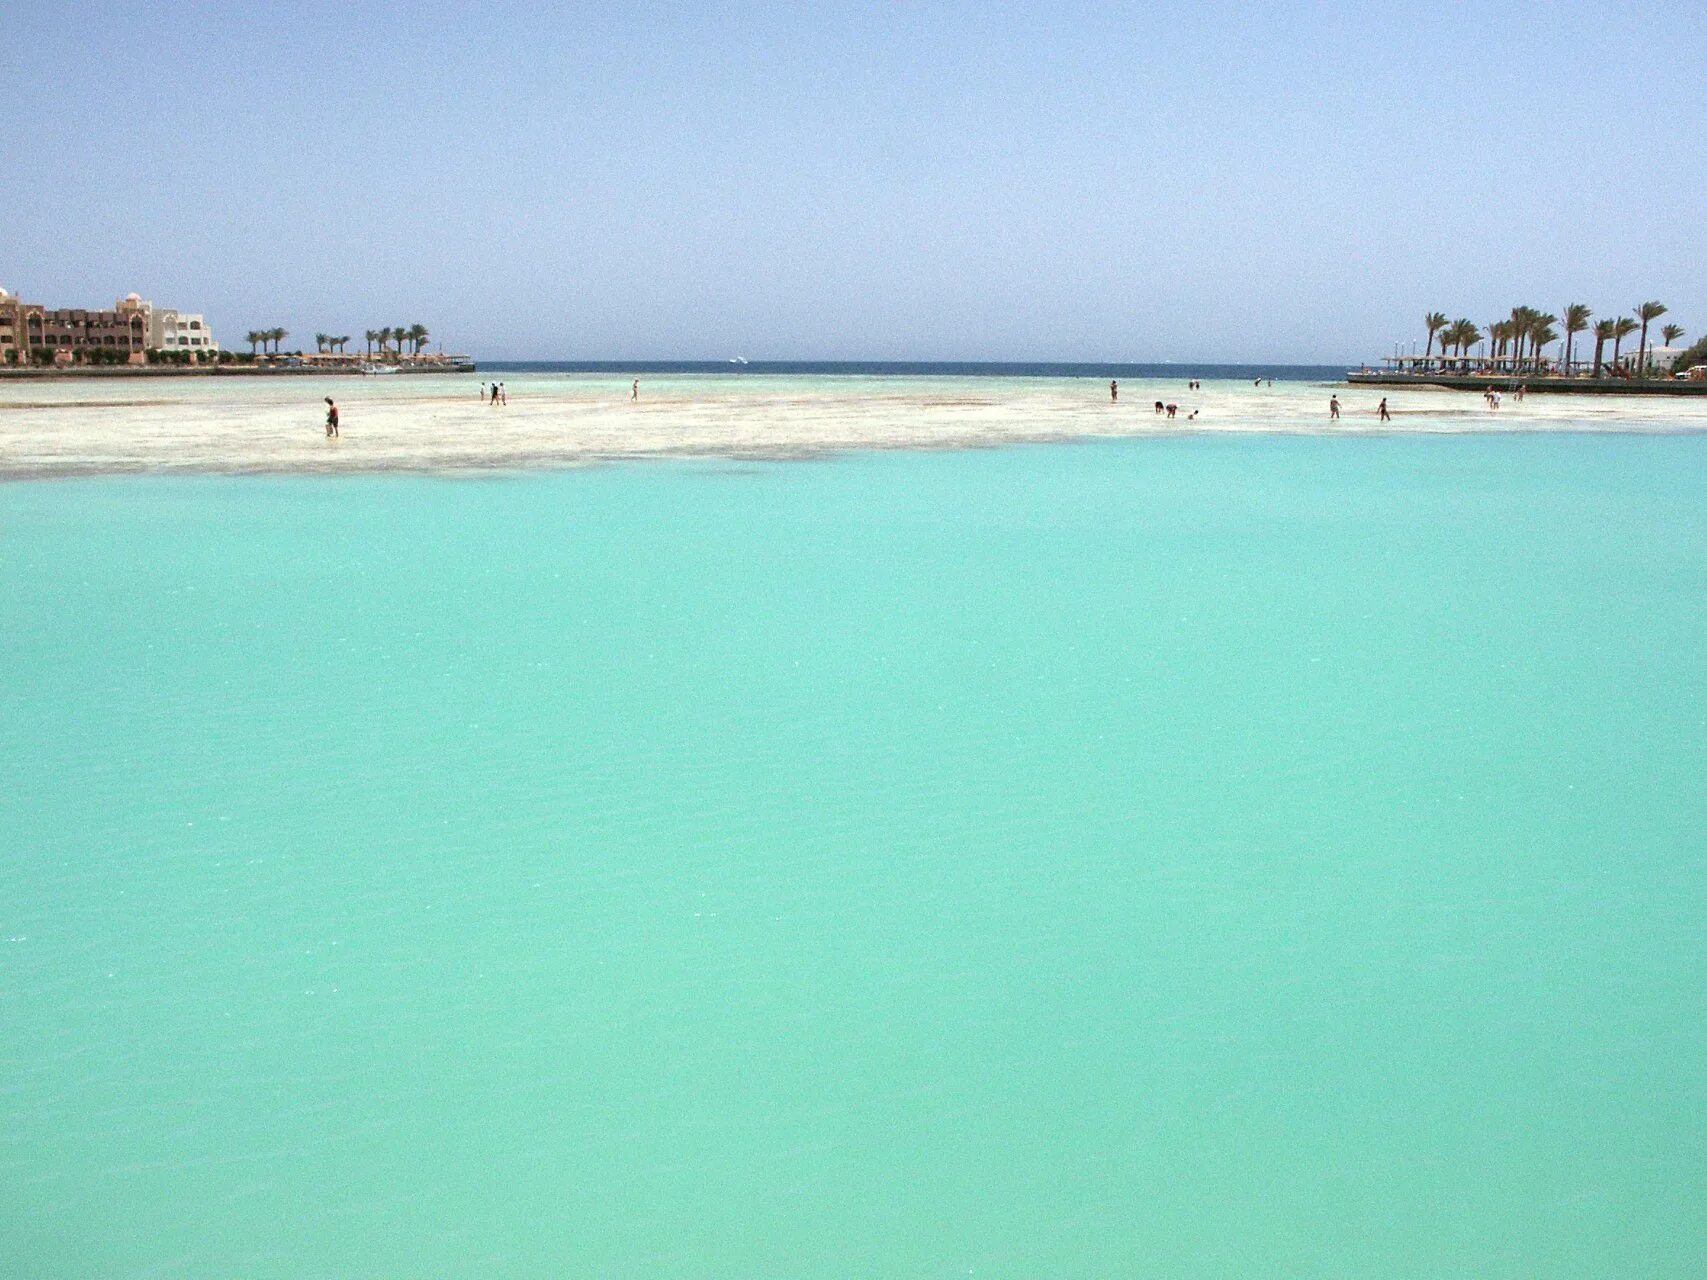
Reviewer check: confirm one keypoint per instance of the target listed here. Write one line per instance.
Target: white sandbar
(437, 422)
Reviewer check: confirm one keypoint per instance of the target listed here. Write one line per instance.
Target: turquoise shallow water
(1183, 858)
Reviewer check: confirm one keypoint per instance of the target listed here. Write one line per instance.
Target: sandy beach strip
(557, 420)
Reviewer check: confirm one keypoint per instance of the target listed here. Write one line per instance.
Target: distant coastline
(1104, 370)
(1183, 370)
(1513, 353)
(1554, 384)
(58, 373)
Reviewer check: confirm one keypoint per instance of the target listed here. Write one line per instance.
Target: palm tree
(255, 337)
(1671, 333)
(1521, 318)
(418, 335)
(1622, 328)
(1538, 321)
(400, 335)
(320, 343)
(384, 336)
(372, 335)
(1435, 321)
(1645, 312)
(1541, 335)
(1576, 320)
(1603, 331)
(342, 343)
(1503, 333)
(1467, 335)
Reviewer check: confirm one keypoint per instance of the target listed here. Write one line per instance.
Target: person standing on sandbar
(1113, 391)
(331, 417)
(634, 392)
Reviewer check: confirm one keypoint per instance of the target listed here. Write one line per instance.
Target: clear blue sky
(1292, 182)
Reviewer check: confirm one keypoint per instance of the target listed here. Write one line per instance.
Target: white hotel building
(170, 329)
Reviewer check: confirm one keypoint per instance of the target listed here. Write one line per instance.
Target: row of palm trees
(386, 339)
(415, 333)
(259, 338)
(1517, 342)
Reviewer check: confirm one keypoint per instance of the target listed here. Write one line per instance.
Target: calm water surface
(1181, 858)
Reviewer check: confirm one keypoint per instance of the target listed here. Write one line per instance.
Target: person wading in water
(331, 417)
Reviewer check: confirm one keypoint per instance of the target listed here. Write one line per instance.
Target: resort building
(15, 315)
(130, 329)
(172, 330)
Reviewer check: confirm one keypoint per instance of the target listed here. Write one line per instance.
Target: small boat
(380, 368)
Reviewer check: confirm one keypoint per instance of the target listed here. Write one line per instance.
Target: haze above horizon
(946, 182)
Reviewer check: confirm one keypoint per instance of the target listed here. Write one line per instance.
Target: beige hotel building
(133, 326)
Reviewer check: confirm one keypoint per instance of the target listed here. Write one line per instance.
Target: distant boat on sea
(737, 359)
(380, 368)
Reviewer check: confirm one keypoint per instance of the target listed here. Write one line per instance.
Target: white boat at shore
(380, 368)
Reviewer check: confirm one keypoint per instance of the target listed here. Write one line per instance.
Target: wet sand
(428, 423)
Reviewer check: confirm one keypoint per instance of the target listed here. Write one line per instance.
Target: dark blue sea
(930, 368)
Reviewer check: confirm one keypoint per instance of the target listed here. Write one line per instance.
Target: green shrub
(1691, 357)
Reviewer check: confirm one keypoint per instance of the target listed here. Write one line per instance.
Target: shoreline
(102, 372)
(1544, 385)
(333, 461)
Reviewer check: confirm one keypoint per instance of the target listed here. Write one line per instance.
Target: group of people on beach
(497, 395)
(1492, 396)
(1170, 409)
(1380, 409)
